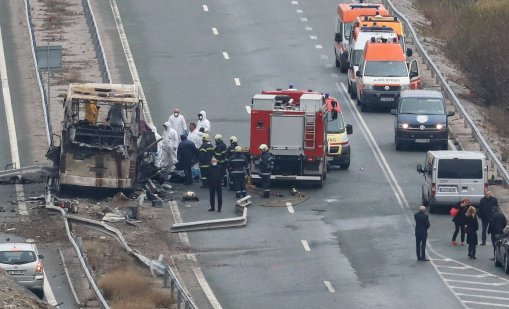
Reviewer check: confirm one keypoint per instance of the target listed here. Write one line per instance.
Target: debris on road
(190, 196)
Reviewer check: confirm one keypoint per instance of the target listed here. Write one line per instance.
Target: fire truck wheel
(364, 107)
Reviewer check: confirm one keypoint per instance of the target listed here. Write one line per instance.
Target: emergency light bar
(377, 29)
(364, 6)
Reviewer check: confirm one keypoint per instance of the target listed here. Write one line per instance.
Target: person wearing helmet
(220, 155)
(206, 154)
(238, 167)
(230, 151)
(266, 167)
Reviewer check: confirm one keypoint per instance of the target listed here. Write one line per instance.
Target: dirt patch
(13, 296)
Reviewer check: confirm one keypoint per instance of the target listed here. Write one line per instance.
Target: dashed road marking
(206, 288)
(333, 75)
(313, 37)
(48, 292)
(290, 207)
(329, 286)
(309, 29)
(205, 8)
(318, 46)
(299, 11)
(237, 81)
(295, 2)
(324, 57)
(214, 31)
(248, 109)
(305, 245)
(226, 56)
(303, 19)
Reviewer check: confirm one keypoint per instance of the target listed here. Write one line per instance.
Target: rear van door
(458, 179)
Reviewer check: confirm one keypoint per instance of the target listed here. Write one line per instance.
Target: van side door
(415, 77)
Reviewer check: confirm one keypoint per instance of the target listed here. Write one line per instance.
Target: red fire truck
(292, 124)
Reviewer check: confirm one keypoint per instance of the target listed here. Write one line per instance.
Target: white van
(451, 176)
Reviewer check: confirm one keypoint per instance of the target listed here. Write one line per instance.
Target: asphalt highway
(351, 245)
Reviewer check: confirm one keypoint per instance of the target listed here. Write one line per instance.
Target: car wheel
(342, 67)
(338, 64)
(39, 293)
(432, 207)
(445, 146)
(349, 88)
(506, 264)
(497, 263)
(423, 200)
(399, 146)
(364, 107)
(353, 94)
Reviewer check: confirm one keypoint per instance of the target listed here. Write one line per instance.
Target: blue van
(421, 119)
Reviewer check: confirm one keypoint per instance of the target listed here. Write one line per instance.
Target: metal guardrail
(210, 224)
(449, 94)
(181, 296)
(49, 129)
(96, 39)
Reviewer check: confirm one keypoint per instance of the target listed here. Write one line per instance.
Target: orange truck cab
(380, 21)
(383, 73)
(347, 13)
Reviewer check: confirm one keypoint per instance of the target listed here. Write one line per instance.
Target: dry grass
(500, 118)
(72, 77)
(132, 304)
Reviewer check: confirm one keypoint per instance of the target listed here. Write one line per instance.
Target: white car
(23, 263)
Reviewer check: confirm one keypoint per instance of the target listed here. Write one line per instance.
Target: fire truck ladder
(309, 129)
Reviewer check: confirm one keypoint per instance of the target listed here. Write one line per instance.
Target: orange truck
(383, 73)
(347, 13)
(380, 21)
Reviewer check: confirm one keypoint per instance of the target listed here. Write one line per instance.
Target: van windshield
(335, 125)
(460, 168)
(348, 29)
(424, 106)
(386, 69)
(17, 257)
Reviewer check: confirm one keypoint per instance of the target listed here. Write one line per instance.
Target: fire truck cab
(292, 124)
(346, 16)
(383, 73)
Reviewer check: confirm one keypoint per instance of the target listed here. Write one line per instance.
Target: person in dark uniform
(486, 205)
(421, 233)
(266, 167)
(187, 155)
(459, 221)
(496, 226)
(238, 166)
(230, 151)
(215, 178)
(471, 227)
(220, 155)
(206, 154)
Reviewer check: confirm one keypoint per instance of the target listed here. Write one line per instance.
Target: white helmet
(264, 147)
(205, 137)
(238, 149)
(218, 137)
(233, 139)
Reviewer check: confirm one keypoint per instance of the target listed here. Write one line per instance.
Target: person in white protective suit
(178, 122)
(158, 154)
(203, 122)
(169, 148)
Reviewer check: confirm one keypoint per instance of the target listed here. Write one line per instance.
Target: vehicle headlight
(403, 125)
(440, 126)
(404, 87)
(368, 87)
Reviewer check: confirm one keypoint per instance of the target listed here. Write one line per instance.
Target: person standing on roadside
(230, 151)
(266, 167)
(496, 226)
(187, 155)
(471, 227)
(203, 122)
(459, 221)
(486, 205)
(178, 122)
(238, 166)
(220, 155)
(206, 154)
(215, 178)
(421, 233)
(194, 135)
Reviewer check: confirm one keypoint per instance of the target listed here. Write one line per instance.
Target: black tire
(39, 293)
(364, 107)
(399, 146)
(506, 264)
(423, 200)
(497, 263)
(338, 64)
(432, 207)
(353, 94)
(444, 146)
(346, 165)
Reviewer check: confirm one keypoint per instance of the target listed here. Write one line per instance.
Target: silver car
(23, 263)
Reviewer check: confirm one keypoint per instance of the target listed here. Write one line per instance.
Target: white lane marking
(483, 296)
(365, 131)
(318, 46)
(237, 81)
(214, 31)
(206, 288)
(324, 57)
(178, 219)
(248, 109)
(290, 207)
(485, 304)
(205, 8)
(295, 2)
(466, 275)
(69, 281)
(309, 29)
(453, 267)
(331, 200)
(478, 290)
(392, 178)
(130, 59)
(477, 282)
(303, 19)
(299, 11)
(333, 75)
(329, 286)
(305, 245)
(313, 37)
(48, 292)
(11, 126)
(451, 144)
(226, 56)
